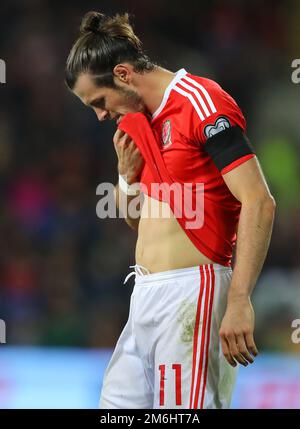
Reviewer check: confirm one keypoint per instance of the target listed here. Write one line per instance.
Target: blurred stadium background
(61, 268)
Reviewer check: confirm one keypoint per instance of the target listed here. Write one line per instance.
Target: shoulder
(202, 96)
(201, 102)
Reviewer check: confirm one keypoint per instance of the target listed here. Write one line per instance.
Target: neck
(151, 87)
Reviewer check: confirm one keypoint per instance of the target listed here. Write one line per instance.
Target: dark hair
(105, 42)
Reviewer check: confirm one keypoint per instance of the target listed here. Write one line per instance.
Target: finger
(126, 137)
(127, 143)
(235, 351)
(130, 148)
(119, 134)
(227, 353)
(243, 348)
(131, 144)
(123, 143)
(136, 149)
(251, 344)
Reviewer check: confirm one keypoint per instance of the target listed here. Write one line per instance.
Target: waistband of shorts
(177, 273)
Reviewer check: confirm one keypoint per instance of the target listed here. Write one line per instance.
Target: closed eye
(99, 103)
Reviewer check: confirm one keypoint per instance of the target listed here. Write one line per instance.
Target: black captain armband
(227, 146)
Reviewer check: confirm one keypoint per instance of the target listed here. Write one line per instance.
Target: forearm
(129, 208)
(247, 184)
(253, 239)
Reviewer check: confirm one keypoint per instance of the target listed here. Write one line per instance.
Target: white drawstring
(138, 270)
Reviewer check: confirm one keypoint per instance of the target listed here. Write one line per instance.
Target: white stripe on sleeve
(204, 92)
(192, 100)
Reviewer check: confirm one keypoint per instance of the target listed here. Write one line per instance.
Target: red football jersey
(194, 109)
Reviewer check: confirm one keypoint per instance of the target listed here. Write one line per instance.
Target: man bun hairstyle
(103, 43)
(91, 22)
(117, 26)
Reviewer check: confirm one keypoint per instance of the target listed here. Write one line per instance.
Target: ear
(123, 73)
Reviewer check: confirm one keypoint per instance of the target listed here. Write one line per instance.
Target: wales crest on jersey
(166, 133)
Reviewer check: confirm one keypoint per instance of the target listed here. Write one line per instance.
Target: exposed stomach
(162, 244)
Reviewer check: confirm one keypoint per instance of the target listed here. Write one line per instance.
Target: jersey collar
(179, 74)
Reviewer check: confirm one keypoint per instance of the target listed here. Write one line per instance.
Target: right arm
(130, 165)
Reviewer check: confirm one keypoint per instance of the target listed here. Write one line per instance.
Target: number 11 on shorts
(176, 367)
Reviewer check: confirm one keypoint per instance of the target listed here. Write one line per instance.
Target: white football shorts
(169, 353)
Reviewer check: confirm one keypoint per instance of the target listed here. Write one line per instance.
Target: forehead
(86, 89)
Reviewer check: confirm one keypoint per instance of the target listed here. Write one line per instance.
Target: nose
(101, 115)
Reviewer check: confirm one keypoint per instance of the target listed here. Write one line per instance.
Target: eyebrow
(98, 102)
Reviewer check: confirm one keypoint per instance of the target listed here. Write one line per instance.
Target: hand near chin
(130, 159)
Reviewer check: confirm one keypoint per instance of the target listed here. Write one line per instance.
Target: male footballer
(191, 321)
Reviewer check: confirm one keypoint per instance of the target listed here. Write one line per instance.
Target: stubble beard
(133, 101)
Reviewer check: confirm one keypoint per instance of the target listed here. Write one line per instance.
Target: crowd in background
(62, 268)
